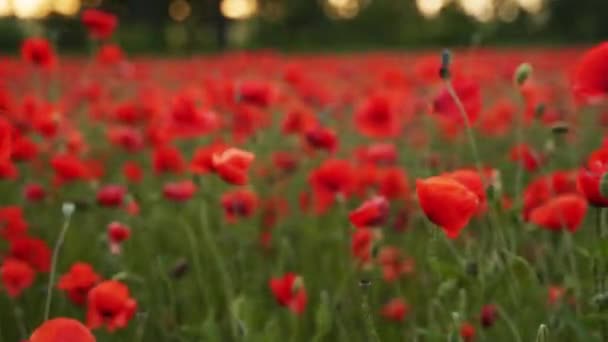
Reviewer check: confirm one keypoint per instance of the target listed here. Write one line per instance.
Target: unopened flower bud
(522, 73)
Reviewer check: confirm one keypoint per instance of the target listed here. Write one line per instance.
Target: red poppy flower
(393, 264)
(100, 24)
(544, 188)
(527, 157)
(38, 51)
(110, 54)
(202, 161)
(447, 203)
(361, 244)
(469, 94)
(133, 172)
(111, 195)
(23, 149)
(16, 276)
(179, 191)
(6, 140)
(168, 159)
(78, 282)
(232, 165)
(240, 203)
(588, 179)
(377, 118)
(590, 79)
(395, 310)
(467, 332)
(289, 291)
(474, 182)
(62, 330)
(298, 120)
(378, 154)
(34, 193)
(12, 222)
(555, 293)
(127, 138)
(393, 183)
(256, 93)
(33, 251)
(372, 213)
(284, 161)
(321, 138)
(333, 178)
(117, 234)
(561, 212)
(68, 168)
(489, 314)
(110, 304)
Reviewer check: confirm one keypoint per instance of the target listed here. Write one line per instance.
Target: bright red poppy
(395, 310)
(39, 52)
(377, 117)
(372, 213)
(101, 24)
(232, 165)
(447, 203)
(590, 78)
(561, 212)
(78, 281)
(289, 292)
(33, 251)
(16, 276)
(62, 330)
(179, 191)
(111, 195)
(110, 304)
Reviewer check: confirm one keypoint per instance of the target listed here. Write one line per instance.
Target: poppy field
(259, 196)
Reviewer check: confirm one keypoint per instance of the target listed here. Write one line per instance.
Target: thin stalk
(18, 312)
(211, 246)
(367, 313)
(58, 244)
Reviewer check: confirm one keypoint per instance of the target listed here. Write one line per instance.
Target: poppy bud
(68, 209)
(117, 234)
(522, 73)
(560, 127)
(180, 268)
(446, 60)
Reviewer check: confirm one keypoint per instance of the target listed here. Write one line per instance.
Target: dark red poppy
(284, 161)
(101, 24)
(489, 314)
(590, 78)
(33, 251)
(321, 138)
(378, 118)
(168, 159)
(110, 304)
(256, 93)
(241, 203)
(62, 330)
(289, 292)
(232, 165)
(77, 283)
(561, 212)
(111, 195)
(372, 213)
(38, 51)
(16, 276)
(34, 192)
(179, 191)
(447, 203)
(395, 310)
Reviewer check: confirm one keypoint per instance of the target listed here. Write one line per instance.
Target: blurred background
(186, 26)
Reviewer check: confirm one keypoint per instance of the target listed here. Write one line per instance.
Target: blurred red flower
(289, 291)
(101, 24)
(110, 304)
(179, 191)
(16, 276)
(79, 280)
(62, 330)
(590, 78)
(232, 165)
(372, 213)
(38, 51)
(561, 212)
(395, 310)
